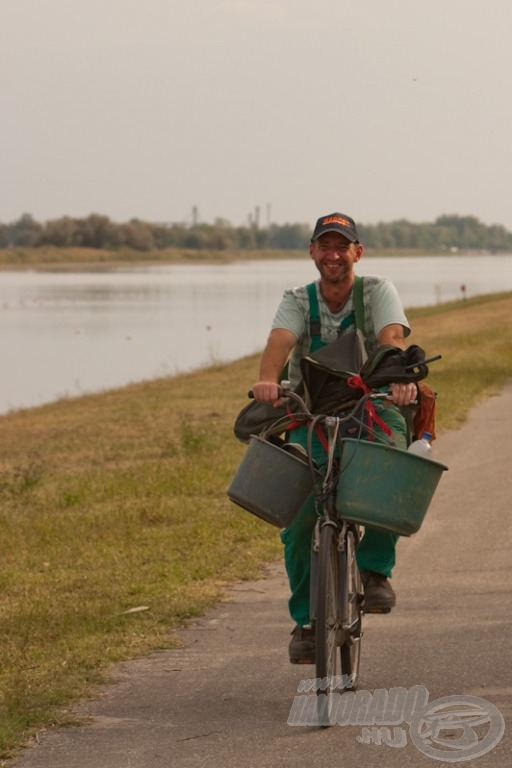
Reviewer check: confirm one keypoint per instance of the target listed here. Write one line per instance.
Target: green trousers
(376, 551)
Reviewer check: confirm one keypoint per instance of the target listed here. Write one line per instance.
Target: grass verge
(114, 522)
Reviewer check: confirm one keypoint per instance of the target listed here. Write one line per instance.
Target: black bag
(326, 376)
(389, 364)
(325, 372)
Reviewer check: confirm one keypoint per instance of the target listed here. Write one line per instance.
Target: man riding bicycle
(335, 248)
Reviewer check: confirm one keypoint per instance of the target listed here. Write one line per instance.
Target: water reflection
(70, 333)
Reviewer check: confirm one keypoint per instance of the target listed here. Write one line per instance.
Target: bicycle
(337, 594)
(274, 480)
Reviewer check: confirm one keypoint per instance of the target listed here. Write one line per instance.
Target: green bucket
(385, 488)
(271, 482)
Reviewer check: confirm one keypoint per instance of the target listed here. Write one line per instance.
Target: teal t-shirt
(382, 306)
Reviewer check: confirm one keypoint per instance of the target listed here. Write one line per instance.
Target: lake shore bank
(50, 258)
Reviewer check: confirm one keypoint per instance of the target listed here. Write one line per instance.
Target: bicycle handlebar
(284, 392)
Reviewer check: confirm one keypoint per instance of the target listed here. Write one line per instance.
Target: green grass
(474, 338)
(116, 502)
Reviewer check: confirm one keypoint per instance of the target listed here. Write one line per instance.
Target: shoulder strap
(357, 296)
(314, 318)
(314, 326)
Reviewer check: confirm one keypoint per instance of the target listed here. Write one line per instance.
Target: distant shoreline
(52, 259)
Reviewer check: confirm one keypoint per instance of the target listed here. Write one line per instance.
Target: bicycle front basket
(385, 488)
(271, 482)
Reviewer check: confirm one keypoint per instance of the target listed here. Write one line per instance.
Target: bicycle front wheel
(353, 600)
(329, 629)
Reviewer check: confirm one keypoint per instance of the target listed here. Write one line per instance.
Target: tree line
(447, 232)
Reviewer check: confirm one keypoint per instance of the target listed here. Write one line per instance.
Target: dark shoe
(302, 646)
(379, 596)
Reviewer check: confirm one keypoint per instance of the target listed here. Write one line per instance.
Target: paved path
(223, 701)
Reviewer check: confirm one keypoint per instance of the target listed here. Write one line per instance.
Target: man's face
(335, 256)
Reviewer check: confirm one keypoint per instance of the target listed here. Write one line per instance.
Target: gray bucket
(271, 482)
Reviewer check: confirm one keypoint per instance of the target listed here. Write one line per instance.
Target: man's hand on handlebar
(267, 392)
(403, 394)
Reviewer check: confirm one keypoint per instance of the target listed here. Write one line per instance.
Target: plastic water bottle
(422, 447)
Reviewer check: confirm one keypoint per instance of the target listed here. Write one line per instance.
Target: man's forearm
(271, 366)
(273, 360)
(279, 345)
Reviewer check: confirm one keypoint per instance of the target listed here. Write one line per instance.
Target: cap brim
(338, 230)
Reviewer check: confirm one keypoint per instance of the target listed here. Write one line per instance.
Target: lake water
(65, 334)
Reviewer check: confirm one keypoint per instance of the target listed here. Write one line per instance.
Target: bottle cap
(426, 436)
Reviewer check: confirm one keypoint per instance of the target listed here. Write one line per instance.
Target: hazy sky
(382, 109)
